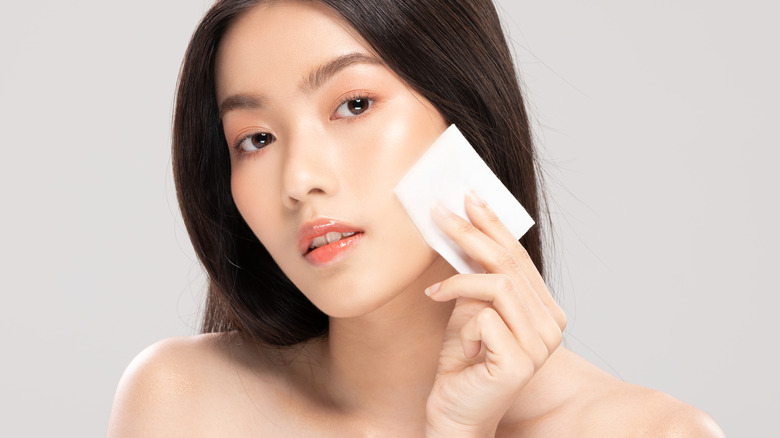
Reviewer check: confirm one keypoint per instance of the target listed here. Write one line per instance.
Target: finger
(495, 258)
(476, 244)
(504, 357)
(523, 313)
(486, 220)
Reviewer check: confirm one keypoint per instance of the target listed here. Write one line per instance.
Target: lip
(320, 227)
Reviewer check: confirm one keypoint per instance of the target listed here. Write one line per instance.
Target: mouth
(322, 240)
(327, 239)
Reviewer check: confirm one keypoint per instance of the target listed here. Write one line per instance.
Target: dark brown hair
(452, 52)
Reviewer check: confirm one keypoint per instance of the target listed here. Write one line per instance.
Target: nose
(308, 168)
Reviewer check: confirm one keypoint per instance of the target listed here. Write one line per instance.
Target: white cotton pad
(444, 174)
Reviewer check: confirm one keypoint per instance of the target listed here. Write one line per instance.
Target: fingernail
(432, 289)
(475, 199)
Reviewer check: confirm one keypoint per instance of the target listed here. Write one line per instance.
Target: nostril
(307, 170)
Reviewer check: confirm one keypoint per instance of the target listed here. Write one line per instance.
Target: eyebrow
(314, 80)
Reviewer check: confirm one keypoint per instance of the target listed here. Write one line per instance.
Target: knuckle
(492, 217)
(539, 353)
(521, 253)
(507, 260)
(505, 283)
(465, 227)
(552, 338)
(559, 317)
(486, 316)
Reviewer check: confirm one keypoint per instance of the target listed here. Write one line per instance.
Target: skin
(414, 349)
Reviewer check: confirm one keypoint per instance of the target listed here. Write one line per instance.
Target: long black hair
(452, 52)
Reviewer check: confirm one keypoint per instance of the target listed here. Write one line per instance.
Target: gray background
(657, 123)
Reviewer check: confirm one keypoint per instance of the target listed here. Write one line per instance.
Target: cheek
(389, 145)
(253, 199)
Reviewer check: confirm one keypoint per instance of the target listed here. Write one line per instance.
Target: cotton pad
(445, 172)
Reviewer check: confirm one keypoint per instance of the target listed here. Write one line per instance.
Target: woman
(327, 314)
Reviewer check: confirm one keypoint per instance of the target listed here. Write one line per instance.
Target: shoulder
(165, 386)
(579, 399)
(630, 410)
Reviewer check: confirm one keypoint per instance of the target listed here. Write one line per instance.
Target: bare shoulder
(170, 388)
(625, 409)
(573, 397)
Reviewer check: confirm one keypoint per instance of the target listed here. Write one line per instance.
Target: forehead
(274, 43)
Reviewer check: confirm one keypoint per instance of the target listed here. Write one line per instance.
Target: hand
(503, 328)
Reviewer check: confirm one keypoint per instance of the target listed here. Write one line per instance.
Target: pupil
(357, 106)
(260, 139)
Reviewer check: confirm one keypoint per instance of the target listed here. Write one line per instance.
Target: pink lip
(320, 227)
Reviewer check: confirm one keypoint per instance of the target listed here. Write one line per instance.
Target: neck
(385, 362)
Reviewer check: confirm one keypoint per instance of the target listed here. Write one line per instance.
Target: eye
(256, 141)
(353, 107)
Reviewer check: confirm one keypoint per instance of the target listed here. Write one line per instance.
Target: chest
(276, 412)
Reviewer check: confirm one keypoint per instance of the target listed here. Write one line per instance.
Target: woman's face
(320, 133)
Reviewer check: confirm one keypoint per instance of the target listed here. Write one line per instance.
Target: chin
(355, 298)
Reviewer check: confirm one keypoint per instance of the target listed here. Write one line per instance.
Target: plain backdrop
(657, 123)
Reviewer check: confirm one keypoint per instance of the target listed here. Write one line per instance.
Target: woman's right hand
(504, 327)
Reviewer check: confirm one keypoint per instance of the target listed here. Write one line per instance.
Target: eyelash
(357, 95)
(360, 95)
